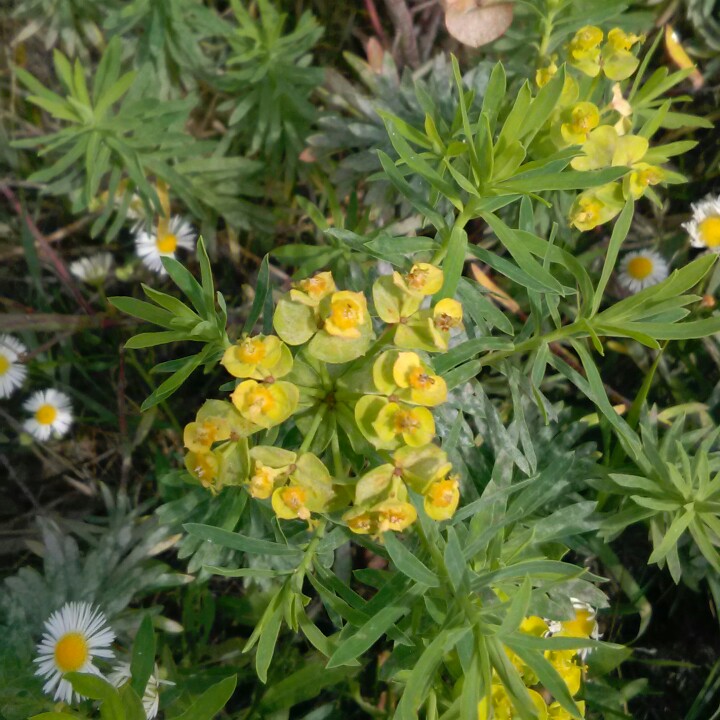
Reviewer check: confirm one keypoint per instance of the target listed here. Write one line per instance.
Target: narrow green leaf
(262, 287)
(211, 702)
(143, 655)
(236, 541)
(407, 563)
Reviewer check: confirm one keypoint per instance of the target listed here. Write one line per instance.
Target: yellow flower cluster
(578, 121)
(389, 395)
(567, 663)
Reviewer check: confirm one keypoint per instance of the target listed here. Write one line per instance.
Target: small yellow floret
(251, 351)
(71, 652)
(347, 312)
(166, 243)
(46, 414)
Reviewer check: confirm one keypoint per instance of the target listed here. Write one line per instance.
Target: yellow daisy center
(251, 351)
(4, 364)
(344, 314)
(46, 414)
(166, 243)
(709, 230)
(418, 379)
(640, 267)
(71, 652)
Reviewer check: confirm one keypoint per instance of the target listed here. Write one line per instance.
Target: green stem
(535, 342)
(298, 576)
(337, 457)
(307, 441)
(146, 377)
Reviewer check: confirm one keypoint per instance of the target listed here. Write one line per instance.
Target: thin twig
(46, 249)
(375, 22)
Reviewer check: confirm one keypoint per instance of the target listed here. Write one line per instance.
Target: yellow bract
(348, 311)
(415, 426)
(564, 663)
(312, 290)
(258, 357)
(583, 625)
(584, 50)
(265, 404)
(290, 503)
(442, 499)
(262, 481)
(502, 707)
(200, 436)
(423, 279)
(204, 467)
(447, 314)
(582, 118)
(557, 712)
(544, 75)
(424, 386)
(596, 206)
(395, 515)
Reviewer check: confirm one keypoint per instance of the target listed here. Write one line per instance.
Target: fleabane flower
(92, 270)
(12, 371)
(122, 675)
(584, 50)
(348, 312)
(152, 246)
(704, 228)
(258, 357)
(51, 414)
(641, 269)
(73, 637)
(265, 404)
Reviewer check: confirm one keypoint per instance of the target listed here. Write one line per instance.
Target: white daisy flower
(642, 269)
(704, 228)
(92, 270)
(12, 371)
(73, 637)
(150, 247)
(151, 697)
(52, 414)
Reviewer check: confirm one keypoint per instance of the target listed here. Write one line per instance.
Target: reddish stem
(57, 262)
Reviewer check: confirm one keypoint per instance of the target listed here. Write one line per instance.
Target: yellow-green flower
(641, 178)
(290, 502)
(423, 279)
(544, 75)
(203, 466)
(348, 312)
(312, 290)
(265, 404)
(406, 376)
(395, 515)
(502, 707)
(442, 498)
(596, 206)
(258, 357)
(199, 437)
(360, 521)
(605, 148)
(397, 423)
(557, 712)
(309, 488)
(584, 50)
(581, 118)
(447, 315)
(618, 62)
(564, 663)
(394, 303)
